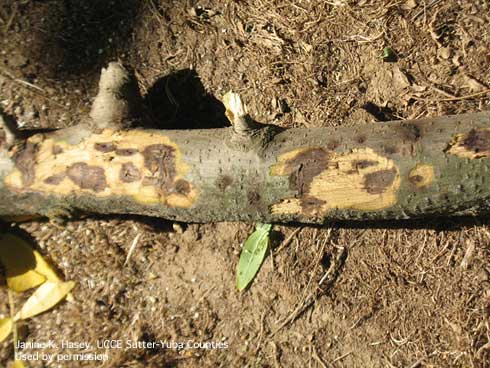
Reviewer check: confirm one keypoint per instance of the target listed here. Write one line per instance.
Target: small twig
(288, 240)
(170, 95)
(456, 98)
(442, 92)
(237, 114)
(261, 332)
(363, 39)
(22, 82)
(318, 359)
(11, 18)
(132, 248)
(341, 357)
(468, 254)
(424, 9)
(29, 84)
(205, 294)
(336, 3)
(331, 270)
(432, 31)
(446, 246)
(275, 354)
(485, 230)
(417, 363)
(480, 351)
(451, 255)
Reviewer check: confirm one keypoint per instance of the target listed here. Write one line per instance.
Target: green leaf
(387, 54)
(252, 255)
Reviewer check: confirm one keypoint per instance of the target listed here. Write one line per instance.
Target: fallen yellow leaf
(45, 297)
(5, 328)
(19, 261)
(44, 268)
(25, 266)
(27, 280)
(18, 364)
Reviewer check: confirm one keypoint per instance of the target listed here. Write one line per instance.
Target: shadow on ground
(80, 35)
(180, 101)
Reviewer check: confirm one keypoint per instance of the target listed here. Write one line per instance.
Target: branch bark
(117, 103)
(250, 172)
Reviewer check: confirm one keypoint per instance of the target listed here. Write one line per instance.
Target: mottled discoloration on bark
(312, 206)
(253, 198)
(390, 150)
(362, 164)
(361, 139)
(105, 147)
(474, 144)
(3, 138)
(224, 182)
(360, 180)
(421, 176)
(25, 161)
(57, 150)
(145, 166)
(126, 151)
(304, 166)
(55, 179)
(182, 187)
(379, 181)
(160, 161)
(410, 131)
(87, 176)
(333, 145)
(129, 173)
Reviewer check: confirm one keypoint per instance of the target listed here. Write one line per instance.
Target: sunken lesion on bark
(324, 181)
(146, 166)
(25, 160)
(55, 179)
(126, 151)
(376, 182)
(223, 182)
(159, 159)
(129, 173)
(87, 176)
(410, 131)
(104, 147)
(421, 176)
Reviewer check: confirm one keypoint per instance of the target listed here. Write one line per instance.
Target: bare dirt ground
(396, 295)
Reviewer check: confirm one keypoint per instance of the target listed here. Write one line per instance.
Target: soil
(404, 294)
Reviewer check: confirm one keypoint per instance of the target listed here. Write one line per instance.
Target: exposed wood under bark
(394, 170)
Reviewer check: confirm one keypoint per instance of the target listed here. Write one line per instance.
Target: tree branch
(10, 131)
(394, 170)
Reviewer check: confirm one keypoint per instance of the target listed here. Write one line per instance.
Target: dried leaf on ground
(18, 364)
(20, 262)
(5, 328)
(45, 297)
